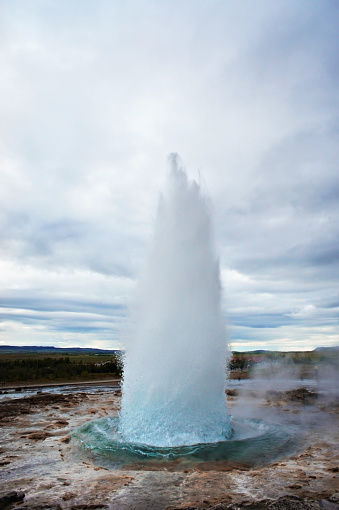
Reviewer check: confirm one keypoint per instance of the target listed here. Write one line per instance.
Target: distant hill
(55, 350)
(333, 348)
(258, 351)
(92, 351)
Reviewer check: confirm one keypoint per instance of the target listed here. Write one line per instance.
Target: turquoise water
(253, 443)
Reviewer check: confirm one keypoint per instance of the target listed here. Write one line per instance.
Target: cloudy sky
(94, 95)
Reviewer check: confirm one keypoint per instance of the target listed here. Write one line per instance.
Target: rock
(44, 507)
(221, 466)
(38, 436)
(61, 423)
(187, 508)
(328, 505)
(68, 496)
(231, 393)
(301, 395)
(28, 405)
(335, 498)
(11, 497)
(283, 503)
(92, 506)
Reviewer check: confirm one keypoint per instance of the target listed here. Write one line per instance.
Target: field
(303, 365)
(317, 356)
(23, 368)
(29, 366)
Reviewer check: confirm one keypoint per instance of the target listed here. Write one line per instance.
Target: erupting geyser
(173, 399)
(175, 362)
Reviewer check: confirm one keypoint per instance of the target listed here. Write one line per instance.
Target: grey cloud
(48, 304)
(92, 101)
(297, 55)
(292, 205)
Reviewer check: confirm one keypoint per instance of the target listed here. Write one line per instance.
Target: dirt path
(21, 386)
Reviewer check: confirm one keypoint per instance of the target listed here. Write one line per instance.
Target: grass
(35, 368)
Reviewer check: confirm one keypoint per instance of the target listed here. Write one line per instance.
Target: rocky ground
(42, 468)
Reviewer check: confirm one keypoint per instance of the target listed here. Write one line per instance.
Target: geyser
(173, 399)
(176, 352)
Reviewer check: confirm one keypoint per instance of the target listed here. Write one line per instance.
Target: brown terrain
(43, 468)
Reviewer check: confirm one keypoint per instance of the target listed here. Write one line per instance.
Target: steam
(300, 395)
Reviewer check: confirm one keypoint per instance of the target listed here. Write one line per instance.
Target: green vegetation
(38, 368)
(35, 365)
(242, 360)
(242, 365)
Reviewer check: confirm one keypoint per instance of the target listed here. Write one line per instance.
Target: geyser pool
(253, 443)
(176, 353)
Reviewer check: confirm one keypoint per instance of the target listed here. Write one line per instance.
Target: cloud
(93, 100)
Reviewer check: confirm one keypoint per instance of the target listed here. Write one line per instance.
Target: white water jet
(175, 361)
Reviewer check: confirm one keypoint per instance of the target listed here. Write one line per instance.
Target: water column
(176, 352)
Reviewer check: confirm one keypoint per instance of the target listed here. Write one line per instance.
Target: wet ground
(42, 467)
